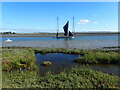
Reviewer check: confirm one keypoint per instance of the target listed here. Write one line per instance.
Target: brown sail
(70, 34)
(66, 28)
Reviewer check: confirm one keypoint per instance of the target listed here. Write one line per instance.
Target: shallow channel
(61, 61)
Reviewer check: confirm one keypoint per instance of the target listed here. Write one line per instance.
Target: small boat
(8, 40)
(66, 33)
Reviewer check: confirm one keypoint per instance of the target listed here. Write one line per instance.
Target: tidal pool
(61, 61)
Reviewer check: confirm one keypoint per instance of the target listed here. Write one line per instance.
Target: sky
(32, 17)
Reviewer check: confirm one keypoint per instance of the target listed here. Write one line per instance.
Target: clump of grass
(58, 50)
(72, 78)
(18, 58)
(47, 63)
(93, 57)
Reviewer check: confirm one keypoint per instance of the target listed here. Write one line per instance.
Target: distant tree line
(8, 32)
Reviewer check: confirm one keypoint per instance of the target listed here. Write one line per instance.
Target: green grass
(72, 78)
(58, 50)
(24, 58)
(16, 58)
(99, 57)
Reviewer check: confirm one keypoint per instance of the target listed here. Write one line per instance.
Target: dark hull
(65, 37)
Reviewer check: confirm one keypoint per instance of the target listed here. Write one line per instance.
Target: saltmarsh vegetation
(72, 78)
(18, 58)
(96, 56)
(20, 70)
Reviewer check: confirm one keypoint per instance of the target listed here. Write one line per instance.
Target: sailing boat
(8, 40)
(66, 33)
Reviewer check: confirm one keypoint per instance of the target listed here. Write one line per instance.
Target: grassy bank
(20, 70)
(99, 57)
(96, 56)
(18, 58)
(72, 78)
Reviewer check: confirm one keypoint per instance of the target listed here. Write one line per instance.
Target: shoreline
(54, 34)
(78, 44)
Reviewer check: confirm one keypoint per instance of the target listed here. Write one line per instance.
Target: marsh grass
(58, 50)
(96, 56)
(23, 58)
(72, 78)
(17, 58)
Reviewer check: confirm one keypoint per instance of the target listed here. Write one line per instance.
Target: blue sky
(30, 17)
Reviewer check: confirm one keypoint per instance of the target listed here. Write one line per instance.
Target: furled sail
(66, 28)
(70, 34)
(57, 34)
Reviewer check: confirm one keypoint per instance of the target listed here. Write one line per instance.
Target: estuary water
(38, 38)
(87, 41)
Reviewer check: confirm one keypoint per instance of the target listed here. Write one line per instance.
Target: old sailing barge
(67, 33)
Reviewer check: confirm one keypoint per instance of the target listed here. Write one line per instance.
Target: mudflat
(78, 44)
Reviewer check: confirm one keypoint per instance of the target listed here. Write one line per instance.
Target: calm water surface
(87, 37)
(61, 61)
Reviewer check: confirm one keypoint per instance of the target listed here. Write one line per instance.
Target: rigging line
(57, 24)
(73, 25)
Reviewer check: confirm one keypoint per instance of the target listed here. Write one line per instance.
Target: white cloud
(95, 22)
(84, 21)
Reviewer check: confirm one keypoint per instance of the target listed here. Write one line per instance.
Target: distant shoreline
(54, 34)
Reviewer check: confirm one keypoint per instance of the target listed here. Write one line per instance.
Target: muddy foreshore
(78, 44)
